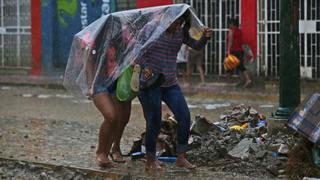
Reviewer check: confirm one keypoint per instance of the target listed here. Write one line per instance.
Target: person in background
(195, 59)
(161, 58)
(182, 60)
(234, 47)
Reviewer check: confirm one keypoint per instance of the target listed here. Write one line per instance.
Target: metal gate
(268, 38)
(125, 4)
(214, 14)
(309, 29)
(15, 34)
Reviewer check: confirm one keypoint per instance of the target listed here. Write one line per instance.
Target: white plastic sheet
(104, 48)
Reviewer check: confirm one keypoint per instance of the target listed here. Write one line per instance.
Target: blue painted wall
(61, 20)
(47, 33)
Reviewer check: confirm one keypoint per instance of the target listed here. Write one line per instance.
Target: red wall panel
(36, 37)
(249, 23)
(148, 3)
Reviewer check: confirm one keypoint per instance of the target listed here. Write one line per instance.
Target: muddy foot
(247, 84)
(184, 163)
(153, 166)
(103, 161)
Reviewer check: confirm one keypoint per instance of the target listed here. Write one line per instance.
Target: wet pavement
(45, 124)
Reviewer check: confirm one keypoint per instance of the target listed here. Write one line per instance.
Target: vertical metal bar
(206, 24)
(305, 37)
(266, 37)
(258, 39)
(2, 36)
(220, 36)
(18, 35)
(272, 36)
(191, 3)
(240, 10)
(274, 18)
(317, 44)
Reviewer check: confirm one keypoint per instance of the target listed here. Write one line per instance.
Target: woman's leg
(248, 81)
(243, 70)
(123, 113)
(175, 100)
(105, 105)
(151, 103)
(201, 72)
(199, 60)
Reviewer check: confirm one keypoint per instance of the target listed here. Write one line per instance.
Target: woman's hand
(207, 32)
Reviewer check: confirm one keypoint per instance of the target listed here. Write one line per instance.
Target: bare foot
(117, 157)
(103, 161)
(153, 166)
(247, 84)
(187, 85)
(159, 163)
(184, 163)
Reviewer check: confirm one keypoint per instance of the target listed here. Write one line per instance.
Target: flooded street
(59, 129)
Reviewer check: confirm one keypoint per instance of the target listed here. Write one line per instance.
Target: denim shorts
(101, 86)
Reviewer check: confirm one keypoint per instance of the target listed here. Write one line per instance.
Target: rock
(283, 149)
(241, 150)
(261, 154)
(44, 175)
(281, 171)
(201, 126)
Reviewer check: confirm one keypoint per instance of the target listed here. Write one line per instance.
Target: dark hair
(233, 21)
(187, 21)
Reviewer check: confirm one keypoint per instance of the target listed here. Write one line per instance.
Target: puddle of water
(215, 106)
(82, 101)
(6, 88)
(27, 95)
(192, 106)
(64, 96)
(44, 96)
(266, 106)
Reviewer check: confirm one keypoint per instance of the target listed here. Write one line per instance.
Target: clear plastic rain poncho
(107, 46)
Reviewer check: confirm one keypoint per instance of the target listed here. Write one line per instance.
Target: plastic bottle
(137, 155)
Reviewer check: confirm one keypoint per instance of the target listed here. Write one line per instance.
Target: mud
(57, 128)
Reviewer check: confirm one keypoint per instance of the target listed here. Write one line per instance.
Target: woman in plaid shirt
(160, 59)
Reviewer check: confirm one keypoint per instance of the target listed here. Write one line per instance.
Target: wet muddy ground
(59, 129)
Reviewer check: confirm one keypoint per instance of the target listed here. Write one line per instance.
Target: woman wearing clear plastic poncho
(101, 52)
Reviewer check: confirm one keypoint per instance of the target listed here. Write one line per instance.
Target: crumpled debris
(201, 125)
(241, 150)
(166, 140)
(299, 164)
(241, 114)
(246, 149)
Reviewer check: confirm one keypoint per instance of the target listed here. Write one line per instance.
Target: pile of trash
(237, 143)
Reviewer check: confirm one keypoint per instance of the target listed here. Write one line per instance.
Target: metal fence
(309, 29)
(269, 31)
(15, 34)
(214, 14)
(125, 4)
